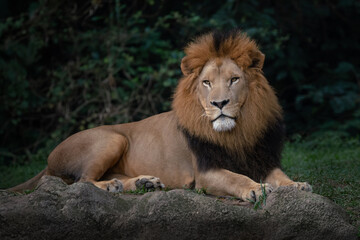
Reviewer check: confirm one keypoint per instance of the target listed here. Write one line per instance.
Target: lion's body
(145, 152)
(224, 133)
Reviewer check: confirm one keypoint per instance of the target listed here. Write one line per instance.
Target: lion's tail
(29, 184)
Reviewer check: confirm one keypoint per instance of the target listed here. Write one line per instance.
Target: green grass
(259, 203)
(140, 191)
(18, 173)
(330, 162)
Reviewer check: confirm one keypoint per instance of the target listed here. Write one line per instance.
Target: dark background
(68, 65)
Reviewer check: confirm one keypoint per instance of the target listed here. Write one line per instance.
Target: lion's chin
(223, 124)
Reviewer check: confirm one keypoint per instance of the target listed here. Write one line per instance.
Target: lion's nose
(220, 104)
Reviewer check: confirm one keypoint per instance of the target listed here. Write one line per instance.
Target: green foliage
(67, 72)
(201, 191)
(261, 201)
(66, 66)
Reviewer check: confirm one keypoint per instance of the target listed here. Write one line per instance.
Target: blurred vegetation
(68, 65)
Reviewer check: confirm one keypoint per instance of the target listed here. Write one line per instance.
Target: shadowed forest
(66, 66)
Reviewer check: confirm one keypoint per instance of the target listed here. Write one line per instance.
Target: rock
(82, 211)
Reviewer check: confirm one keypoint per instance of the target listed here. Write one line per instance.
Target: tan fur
(278, 178)
(231, 184)
(128, 156)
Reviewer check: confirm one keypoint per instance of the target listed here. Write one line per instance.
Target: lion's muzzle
(223, 123)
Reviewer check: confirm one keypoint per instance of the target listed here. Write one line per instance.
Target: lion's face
(222, 90)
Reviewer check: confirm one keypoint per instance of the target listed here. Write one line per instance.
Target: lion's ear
(257, 60)
(185, 67)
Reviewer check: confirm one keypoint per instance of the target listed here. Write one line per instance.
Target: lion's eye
(206, 83)
(234, 80)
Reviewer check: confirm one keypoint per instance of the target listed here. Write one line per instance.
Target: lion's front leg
(278, 178)
(220, 182)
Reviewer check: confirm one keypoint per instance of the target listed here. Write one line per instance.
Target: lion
(225, 132)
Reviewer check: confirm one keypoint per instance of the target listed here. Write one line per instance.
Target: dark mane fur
(257, 163)
(220, 36)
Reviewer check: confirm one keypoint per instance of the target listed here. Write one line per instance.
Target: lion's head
(224, 97)
(222, 90)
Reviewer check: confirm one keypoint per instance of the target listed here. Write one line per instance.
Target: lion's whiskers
(203, 115)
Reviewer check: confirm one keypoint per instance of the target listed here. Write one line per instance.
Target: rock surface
(81, 211)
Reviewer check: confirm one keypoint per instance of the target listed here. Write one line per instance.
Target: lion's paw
(149, 183)
(253, 193)
(304, 186)
(114, 185)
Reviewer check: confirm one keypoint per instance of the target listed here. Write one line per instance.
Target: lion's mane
(261, 109)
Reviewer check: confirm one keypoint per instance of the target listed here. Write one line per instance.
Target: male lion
(224, 134)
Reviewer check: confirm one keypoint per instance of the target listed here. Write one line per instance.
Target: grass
(14, 174)
(330, 162)
(139, 191)
(259, 203)
(143, 190)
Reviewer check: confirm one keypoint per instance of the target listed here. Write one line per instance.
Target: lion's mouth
(223, 123)
(222, 116)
